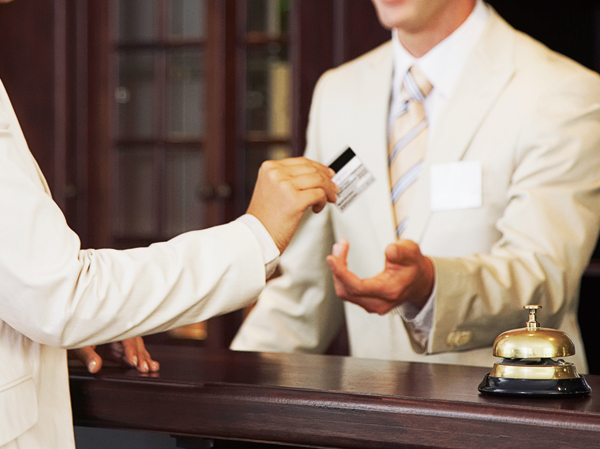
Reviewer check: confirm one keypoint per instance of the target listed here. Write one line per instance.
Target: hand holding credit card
(351, 176)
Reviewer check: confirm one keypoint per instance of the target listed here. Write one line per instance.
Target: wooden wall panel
(27, 65)
(37, 67)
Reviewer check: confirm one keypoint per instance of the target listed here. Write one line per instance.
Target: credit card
(351, 176)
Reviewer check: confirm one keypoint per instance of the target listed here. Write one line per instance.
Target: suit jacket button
(458, 338)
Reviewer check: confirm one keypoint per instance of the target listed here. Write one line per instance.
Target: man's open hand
(408, 276)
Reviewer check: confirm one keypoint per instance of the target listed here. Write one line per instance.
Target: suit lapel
(373, 125)
(486, 74)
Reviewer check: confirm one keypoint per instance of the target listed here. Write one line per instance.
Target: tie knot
(416, 85)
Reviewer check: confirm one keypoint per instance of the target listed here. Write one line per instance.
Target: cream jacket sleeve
(58, 294)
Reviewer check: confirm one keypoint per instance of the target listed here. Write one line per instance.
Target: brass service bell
(528, 365)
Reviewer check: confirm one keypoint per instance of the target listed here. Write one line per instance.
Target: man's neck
(419, 41)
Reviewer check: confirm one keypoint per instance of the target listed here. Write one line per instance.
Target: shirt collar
(442, 64)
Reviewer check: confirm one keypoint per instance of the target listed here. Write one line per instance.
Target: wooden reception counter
(324, 401)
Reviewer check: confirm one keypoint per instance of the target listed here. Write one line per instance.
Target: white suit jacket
(54, 295)
(531, 118)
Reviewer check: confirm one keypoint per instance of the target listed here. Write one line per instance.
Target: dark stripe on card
(342, 160)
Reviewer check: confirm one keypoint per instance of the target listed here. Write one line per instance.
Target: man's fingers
(340, 250)
(342, 277)
(352, 287)
(131, 352)
(348, 280)
(402, 252)
(90, 358)
(130, 355)
(318, 207)
(316, 180)
(358, 291)
(137, 355)
(304, 162)
(146, 360)
(296, 167)
(368, 293)
(304, 174)
(312, 197)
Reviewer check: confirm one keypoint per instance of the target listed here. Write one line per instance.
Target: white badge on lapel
(456, 185)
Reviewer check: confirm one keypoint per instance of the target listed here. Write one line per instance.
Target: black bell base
(534, 387)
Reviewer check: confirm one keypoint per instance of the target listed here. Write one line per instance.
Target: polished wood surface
(327, 401)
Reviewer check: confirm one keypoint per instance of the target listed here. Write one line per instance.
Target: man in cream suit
(515, 128)
(55, 295)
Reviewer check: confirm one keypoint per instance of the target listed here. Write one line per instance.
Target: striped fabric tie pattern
(408, 144)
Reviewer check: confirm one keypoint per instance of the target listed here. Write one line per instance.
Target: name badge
(457, 185)
(351, 176)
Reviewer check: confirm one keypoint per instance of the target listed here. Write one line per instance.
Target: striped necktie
(408, 144)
